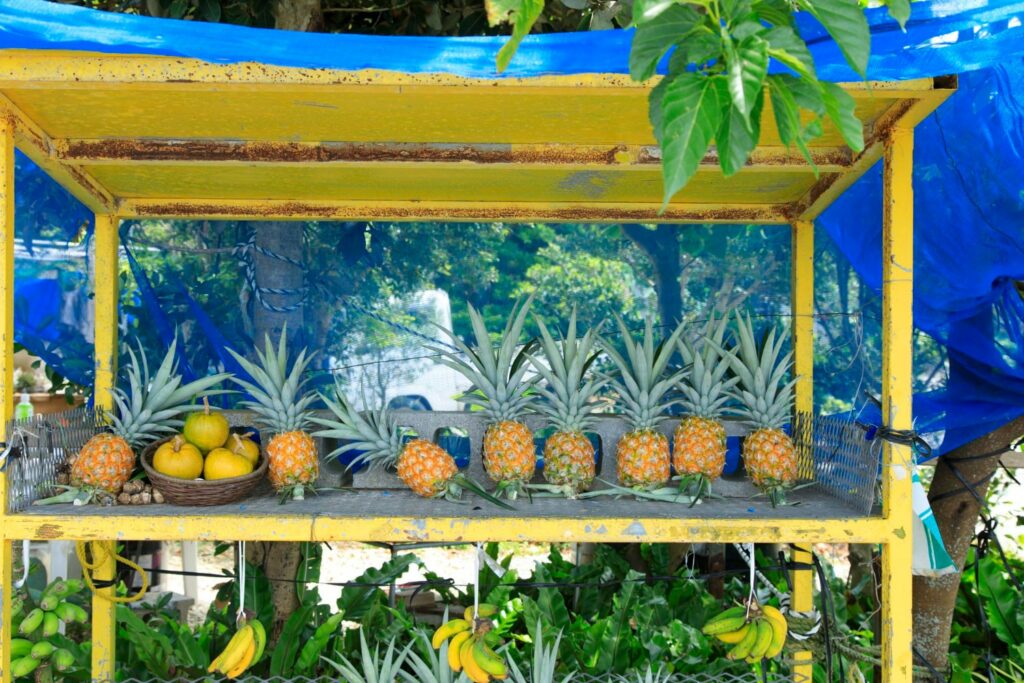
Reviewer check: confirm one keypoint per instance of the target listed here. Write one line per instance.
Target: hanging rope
(89, 566)
(240, 554)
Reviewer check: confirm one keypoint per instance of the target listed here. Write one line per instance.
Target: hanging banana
(467, 650)
(755, 632)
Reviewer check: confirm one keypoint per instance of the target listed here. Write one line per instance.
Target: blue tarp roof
(969, 155)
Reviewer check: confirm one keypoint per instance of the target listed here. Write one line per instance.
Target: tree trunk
(957, 517)
(661, 246)
(278, 560)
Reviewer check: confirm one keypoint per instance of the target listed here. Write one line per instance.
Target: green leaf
(522, 14)
(735, 11)
(785, 45)
(654, 100)
(774, 12)
(845, 22)
(841, 108)
(646, 10)
(691, 109)
(282, 661)
(356, 600)
(787, 115)
(747, 66)
(308, 572)
(806, 92)
(209, 10)
(899, 10)
(177, 9)
(736, 139)
(654, 38)
(310, 655)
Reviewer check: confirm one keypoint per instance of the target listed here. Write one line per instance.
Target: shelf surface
(400, 516)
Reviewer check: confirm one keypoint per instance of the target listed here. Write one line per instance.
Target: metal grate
(846, 460)
(40, 449)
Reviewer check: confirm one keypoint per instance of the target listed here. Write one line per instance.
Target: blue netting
(969, 160)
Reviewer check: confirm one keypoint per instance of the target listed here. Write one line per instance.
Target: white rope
(476, 578)
(752, 595)
(241, 581)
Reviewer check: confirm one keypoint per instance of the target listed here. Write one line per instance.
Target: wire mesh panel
(40, 448)
(846, 460)
(700, 677)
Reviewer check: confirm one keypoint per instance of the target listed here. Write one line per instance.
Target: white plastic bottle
(24, 409)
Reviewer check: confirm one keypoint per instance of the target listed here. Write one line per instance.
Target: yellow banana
(483, 610)
(489, 660)
(742, 648)
(215, 664)
(259, 634)
(473, 670)
(733, 637)
(233, 653)
(449, 629)
(780, 629)
(454, 647)
(763, 641)
(729, 620)
(244, 662)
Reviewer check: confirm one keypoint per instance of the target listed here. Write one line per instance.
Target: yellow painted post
(802, 301)
(105, 296)
(6, 374)
(897, 325)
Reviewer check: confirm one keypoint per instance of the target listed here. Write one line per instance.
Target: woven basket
(195, 492)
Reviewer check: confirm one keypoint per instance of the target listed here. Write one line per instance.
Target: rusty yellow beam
(182, 525)
(6, 377)
(897, 374)
(39, 147)
(95, 152)
(448, 211)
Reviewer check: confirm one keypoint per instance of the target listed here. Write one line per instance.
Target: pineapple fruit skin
(642, 458)
(569, 460)
(699, 447)
(509, 452)
(426, 468)
(292, 459)
(105, 462)
(770, 458)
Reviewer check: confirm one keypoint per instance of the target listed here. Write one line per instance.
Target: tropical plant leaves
(737, 136)
(655, 37)
(845, 22)
(522, 14)
(746, 66)
(899, 10)
(841, 107)
(789, 48)
(691, 110)
(646, 10)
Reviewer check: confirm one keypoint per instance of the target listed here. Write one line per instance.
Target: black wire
(936, 674)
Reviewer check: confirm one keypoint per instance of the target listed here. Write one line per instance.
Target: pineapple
(765, 403)
(699, 439)
(502, 391)
(568, 453)
(149, 410)
(423, 466)
(281, 409)
(642, 454)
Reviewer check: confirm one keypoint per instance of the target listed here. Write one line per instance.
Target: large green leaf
(787, 115)
(309, 657)
(356, 600)
(845, 22)
(309, 572)
(655, 37)
(736, 139)
(1002, 603)
(691, 109)
(774, 12)
(646, 10)
(746, 65)
(785, 45)
(282, 661)
(841, 108)
(522, 14)
(899, 10)
(698, 47)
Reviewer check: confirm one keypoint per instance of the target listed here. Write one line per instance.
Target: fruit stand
(161, 137)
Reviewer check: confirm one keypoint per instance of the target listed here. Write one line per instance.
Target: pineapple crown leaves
(705, 388)
(497, 373)
(150, 407)
(765, 399)
(371, 667)
(376, 433)
(564, 369)
(277, 392)
(639, 381)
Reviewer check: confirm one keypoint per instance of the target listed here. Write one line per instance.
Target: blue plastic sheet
(969, 156)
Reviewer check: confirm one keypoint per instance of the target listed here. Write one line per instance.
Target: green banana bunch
(755, 632)
(469, 647)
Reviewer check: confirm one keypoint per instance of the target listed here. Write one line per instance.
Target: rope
(243, 252)
(91, 566)
(240, 615)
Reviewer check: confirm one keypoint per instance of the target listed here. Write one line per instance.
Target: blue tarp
(969, 156)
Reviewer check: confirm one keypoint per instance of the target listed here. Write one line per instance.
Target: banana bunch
(468, 646)
(243, 650)
(755, 633)
(28, 655)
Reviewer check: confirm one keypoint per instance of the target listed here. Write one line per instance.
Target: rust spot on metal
(271, 152)
(49, 531)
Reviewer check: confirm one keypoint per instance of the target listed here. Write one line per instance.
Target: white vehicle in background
(396, 367)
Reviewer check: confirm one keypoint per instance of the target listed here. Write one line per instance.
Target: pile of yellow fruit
(206, 448)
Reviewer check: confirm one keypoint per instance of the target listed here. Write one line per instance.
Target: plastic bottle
(24, 409)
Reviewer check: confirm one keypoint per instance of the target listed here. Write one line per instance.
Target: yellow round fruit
(178, 458)
(223, 464)
(206, 430)
(241, 444)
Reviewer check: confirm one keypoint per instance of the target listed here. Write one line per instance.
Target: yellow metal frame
(545, 153)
